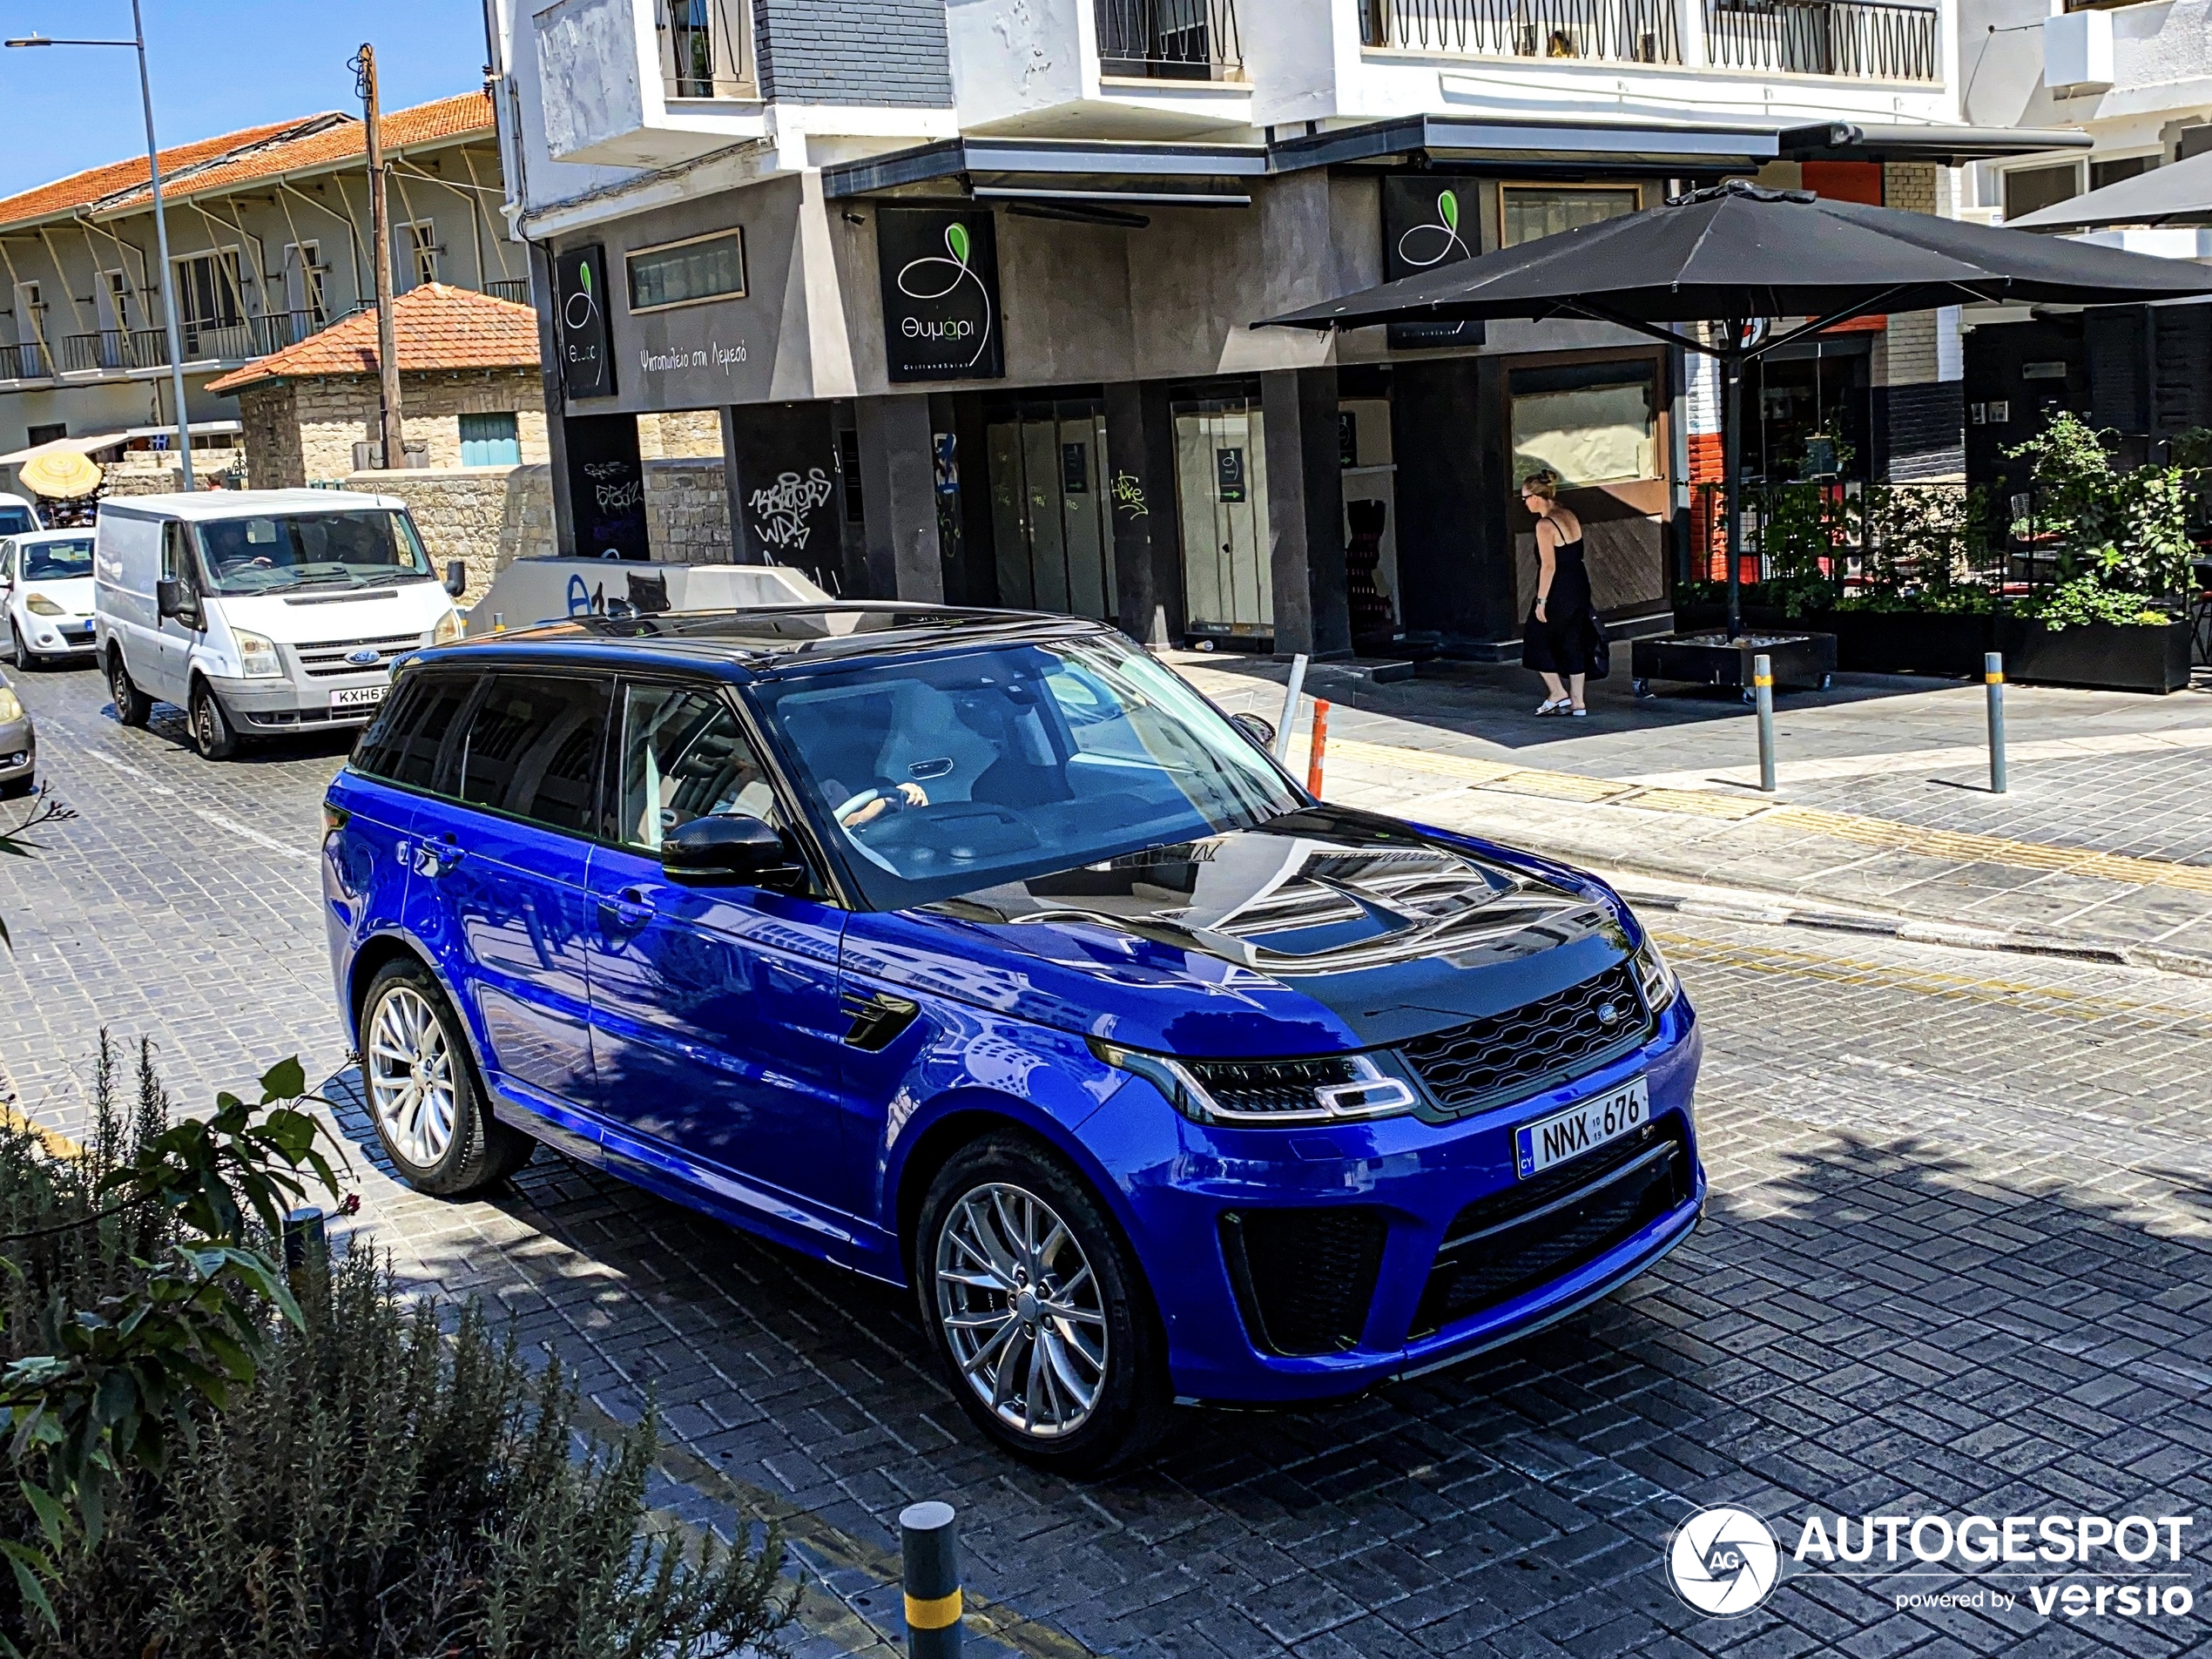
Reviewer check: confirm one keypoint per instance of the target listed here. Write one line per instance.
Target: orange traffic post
(1320, 747)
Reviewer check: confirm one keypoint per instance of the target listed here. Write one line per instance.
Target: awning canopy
(1069, 173)
(1898, 141)
(1543, 145)
(93, 442)
(2181, 193)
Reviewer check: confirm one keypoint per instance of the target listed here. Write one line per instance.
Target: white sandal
(1552, 705)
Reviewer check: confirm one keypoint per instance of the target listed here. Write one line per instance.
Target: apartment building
(2136, 80)
(968, 285)
(269, 243)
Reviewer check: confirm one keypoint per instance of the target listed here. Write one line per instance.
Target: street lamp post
(137, 43)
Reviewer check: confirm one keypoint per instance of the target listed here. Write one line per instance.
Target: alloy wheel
(1022, 1310)
(410, 1077)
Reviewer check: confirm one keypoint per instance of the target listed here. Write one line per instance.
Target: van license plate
(1552, 1140)
(358, 697)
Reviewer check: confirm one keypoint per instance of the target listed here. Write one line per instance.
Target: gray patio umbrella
(1738, 254)
(2181, 193)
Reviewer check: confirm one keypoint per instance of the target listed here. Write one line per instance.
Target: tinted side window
(533, 747)
(683, 756)
(404, 742)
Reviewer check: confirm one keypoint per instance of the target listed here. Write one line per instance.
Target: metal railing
(517, 290)
(1175, 40)
(1851, 39)
(705, 50)
(1625, 31)
(24, 362)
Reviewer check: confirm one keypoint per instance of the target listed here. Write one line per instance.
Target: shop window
(1591, 426)
(490, 440)
(684, 274)
(2028, 189)
(1528, 211)
(47, 432)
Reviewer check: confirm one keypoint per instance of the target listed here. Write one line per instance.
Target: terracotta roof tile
(435, 326)
(463, 115)
(80, 189)
(223, 163)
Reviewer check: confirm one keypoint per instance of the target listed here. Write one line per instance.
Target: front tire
(1038, 1310)
(214, 736)
(430, 1111)
(133, 706)
(25, 658)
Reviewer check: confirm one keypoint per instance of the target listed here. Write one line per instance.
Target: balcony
(1620, 32)
(25, 362)
(645, 83)
(1849, 39)
(516, 291)
(1172, 40)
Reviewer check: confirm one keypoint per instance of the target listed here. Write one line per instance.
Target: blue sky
(217, 65)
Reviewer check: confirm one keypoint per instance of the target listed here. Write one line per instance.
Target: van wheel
(133, 706)
(1038, 1310)
(212, 735)
(430, 1109)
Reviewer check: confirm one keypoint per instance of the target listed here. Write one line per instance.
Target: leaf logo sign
(1443, 237)
(583, 296)
(954, 328)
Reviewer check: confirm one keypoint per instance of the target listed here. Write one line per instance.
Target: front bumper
(59, 635)
(1240, 1230)
(18, 750)
(284, 705)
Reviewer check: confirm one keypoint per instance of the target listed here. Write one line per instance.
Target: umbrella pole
(1732, 472)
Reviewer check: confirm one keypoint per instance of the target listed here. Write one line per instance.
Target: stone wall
(687, 512)
(303, 432)
(680, 434)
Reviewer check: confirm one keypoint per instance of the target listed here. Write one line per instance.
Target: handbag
(1597, 650)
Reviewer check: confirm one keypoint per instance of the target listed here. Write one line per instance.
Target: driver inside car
(878, 801)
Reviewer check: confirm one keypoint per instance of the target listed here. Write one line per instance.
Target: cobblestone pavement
(1957, 1260)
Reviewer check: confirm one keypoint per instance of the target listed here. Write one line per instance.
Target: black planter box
(2103, 656)
(1910, 642)
(1800, 662)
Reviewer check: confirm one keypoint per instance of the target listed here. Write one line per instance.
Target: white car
(46, 596)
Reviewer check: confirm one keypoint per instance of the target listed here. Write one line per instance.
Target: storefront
(1022, 373)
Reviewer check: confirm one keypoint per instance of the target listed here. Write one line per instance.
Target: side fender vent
(877, 1017)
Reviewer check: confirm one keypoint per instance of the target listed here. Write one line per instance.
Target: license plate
(1538, 1146)
(358, 697)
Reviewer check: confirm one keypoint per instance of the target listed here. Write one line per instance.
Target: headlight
(1333, 1089)
(39, 605)
(450, 629)
(10, 706)
(1654, 978)
(257, 656)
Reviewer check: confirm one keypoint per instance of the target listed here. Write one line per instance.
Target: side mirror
(1258, 729)
(169, 597)
(456, 577)
(737, 851)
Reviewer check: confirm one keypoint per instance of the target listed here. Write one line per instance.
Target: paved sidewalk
(2103, 846)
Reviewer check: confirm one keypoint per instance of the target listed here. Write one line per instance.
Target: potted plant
(2111, 618)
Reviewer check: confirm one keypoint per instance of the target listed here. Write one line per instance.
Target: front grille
(1303, 1278)
(328, 657)
(1540, 1045)
(293, 718)
(1538, 1230)
(1270, 1085)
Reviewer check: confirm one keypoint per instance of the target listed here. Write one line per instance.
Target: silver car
(19, 743)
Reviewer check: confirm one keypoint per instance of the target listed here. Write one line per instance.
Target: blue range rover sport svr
(976, 952)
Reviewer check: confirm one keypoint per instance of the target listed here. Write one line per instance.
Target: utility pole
(390, 442)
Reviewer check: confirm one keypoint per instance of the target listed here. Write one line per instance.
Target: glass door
(1053, 536)
(1221, 486)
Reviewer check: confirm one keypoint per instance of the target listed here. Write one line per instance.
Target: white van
(261, 612)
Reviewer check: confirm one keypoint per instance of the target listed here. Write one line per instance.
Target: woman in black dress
(1555, 639)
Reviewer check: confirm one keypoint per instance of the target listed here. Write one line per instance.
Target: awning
(1899, 141)
(93, 442)
(1065, 173)
(2164, 195)
(1646, 146)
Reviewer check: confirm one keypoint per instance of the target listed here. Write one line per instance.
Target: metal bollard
(1289, 708)
(930, 1555)
(1992, 674)
(1320, 747)
(1763, 695)
(499, 622)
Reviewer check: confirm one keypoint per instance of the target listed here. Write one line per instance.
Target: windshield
(16, 520)
(56, 561)
(310, 549)
(956, 773)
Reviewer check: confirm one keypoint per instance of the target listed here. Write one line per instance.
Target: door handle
(436, 858)
(629, 909)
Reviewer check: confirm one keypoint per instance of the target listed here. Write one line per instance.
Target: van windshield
(310, 549)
